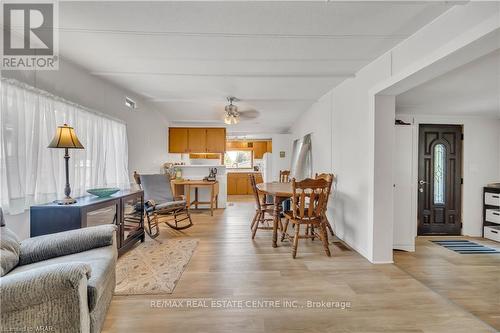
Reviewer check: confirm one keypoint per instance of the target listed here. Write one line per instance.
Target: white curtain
(32, 173)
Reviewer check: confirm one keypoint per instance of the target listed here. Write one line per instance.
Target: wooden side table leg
(196, 197)
(187, 189)
(212, 200)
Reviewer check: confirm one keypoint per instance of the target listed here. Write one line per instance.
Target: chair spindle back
(309, 198)
(255, 191)
(284, 176)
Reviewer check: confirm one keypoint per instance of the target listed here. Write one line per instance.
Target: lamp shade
(65, 138)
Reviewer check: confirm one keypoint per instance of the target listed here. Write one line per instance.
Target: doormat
(465, 247)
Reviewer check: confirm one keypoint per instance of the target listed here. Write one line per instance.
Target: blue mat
(465, 247)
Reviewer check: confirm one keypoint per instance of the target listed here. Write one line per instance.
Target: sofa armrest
(40, 285)
(64, 243)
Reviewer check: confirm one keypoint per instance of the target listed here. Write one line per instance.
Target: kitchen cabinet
(238, 183)
(259, 148)
(235, 145)
(196, 140)
(242, 184)
(178, 140)
(216, 140)
(213, 156)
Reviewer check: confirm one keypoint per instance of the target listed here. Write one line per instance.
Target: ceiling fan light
(231, 119)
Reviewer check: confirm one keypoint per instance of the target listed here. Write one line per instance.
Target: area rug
(153, 267)
(465, 247)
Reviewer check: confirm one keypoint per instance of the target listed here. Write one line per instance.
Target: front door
(440, 179)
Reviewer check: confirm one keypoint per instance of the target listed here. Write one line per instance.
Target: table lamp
(66, 138)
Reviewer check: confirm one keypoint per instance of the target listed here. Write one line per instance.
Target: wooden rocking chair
(161, 205)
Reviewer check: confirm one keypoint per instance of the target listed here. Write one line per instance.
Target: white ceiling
(277, 57)
(471, 90)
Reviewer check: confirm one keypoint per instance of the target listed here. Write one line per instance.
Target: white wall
(353, 114)
(281, 142)
(317, 122)
(481, 164)
(146, 128)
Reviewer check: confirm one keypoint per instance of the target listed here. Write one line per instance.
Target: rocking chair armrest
(150, 204)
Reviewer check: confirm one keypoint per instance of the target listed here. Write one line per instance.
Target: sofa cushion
(10, 249)
(102, 262)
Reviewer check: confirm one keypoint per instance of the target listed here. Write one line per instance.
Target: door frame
(416, 121)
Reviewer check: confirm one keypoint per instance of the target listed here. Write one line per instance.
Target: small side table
(184, 187)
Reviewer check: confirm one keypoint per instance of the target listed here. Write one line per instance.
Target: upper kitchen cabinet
(197, 140)
(216, 140)
(178, 140)
(269, 147)
(259, 148)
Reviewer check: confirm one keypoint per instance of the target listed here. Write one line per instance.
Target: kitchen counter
(242, 171)
(200, 166)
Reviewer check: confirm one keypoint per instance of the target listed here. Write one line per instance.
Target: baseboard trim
(407, 248)
(382, 262)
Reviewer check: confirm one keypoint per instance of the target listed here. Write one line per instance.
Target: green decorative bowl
(103, 192)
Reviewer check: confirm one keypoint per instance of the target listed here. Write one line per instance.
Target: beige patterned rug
(153, 267)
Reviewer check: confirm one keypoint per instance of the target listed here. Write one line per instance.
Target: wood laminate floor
(229, 266)
(470, 281)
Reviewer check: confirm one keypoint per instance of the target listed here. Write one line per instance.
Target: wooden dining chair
(264, 212)
(284, 176)
(329, 177)
(309, 201)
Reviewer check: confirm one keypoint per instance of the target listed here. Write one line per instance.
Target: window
(238, 159)
(439, 173)
(32, 173)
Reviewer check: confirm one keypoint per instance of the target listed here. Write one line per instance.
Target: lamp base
(65, 201)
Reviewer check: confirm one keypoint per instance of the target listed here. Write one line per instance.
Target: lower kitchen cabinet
(238, 183)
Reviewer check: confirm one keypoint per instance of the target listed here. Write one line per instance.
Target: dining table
(280, 192)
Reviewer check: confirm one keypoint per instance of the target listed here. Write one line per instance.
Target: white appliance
(267, 168)
(302, 158)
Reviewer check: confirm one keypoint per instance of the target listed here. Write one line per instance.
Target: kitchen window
(238, 159)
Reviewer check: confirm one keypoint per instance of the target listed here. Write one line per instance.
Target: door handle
(422, 182)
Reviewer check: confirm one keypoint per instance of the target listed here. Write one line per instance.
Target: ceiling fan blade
(249, 114)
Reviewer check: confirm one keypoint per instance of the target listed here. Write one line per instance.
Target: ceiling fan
(232, 115)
